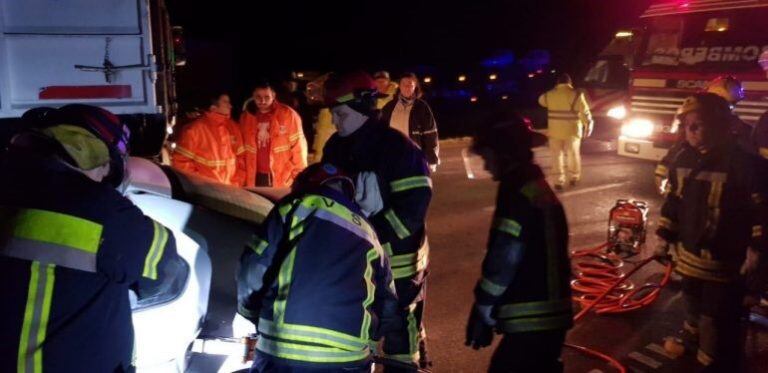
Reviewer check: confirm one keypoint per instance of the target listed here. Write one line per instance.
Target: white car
(211, 223)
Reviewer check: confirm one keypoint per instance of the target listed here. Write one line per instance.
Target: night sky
(239, 41)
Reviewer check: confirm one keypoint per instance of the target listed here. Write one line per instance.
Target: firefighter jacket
(316, 281)
(70, 249)
(324, 129)
(390, 95)
(212, 147)
(422, 127)
(405, 186)
(526, 271)
(741, 131)
(287, 145)
(568, 114)
(715, 209)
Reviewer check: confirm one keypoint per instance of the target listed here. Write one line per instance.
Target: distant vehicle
(606, 82)
(683, 45)
(212, 224)
(117, 54)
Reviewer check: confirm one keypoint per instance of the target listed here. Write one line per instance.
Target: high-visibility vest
(568, 113)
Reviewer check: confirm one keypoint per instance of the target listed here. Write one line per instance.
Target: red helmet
(320, 174)
(348, 88)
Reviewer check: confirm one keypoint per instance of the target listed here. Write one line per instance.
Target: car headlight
(617, 112)
(638, 128)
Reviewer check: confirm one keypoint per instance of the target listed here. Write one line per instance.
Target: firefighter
(316, 281)
(72, 246)
(276, 150)
(569, 121)
(713, 220)
(760, 137)
(524, 291)
(212, 145)
(730, 89)
(323, 126)
(394, 189)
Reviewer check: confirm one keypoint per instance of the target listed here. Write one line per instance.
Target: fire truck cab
(684, 44)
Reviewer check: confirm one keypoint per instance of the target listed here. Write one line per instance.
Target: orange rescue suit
(288, 153)
(212, 147)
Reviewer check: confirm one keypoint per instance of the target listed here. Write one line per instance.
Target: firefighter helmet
(728, 88)
(356, 89)
(99, 122)
(320, 174)
(763, 60)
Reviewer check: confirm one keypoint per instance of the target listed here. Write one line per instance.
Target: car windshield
(706, 42)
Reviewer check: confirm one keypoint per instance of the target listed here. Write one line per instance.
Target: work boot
(686, 339)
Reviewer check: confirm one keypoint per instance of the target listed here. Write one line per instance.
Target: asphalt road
(458, 225)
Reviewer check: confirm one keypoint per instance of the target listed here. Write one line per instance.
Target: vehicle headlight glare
(638, 128)
(617, 112)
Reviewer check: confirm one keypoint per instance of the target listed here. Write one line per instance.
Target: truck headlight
(617, 112)
(638, 128)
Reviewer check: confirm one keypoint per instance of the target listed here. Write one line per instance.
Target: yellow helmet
(727, 87)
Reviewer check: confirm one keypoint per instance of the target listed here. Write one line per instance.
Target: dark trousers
(408, 344)
(263, 180)
(263, 363)
(717, 310)
(529, 352)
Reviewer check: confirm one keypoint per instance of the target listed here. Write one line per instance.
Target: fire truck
(606, 82)
(117, 54)
(684, 44)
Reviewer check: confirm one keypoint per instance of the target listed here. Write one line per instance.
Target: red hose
(605, 287)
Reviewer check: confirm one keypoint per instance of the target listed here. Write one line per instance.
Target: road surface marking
(467, 163)
(648, 361)
(657, 348)
(591, 189)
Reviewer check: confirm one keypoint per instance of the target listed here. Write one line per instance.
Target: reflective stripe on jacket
(568, 112)
(405, 186)
(331, 285)
(212, 147)
(70, 250)
(715, 209)
(288, 147)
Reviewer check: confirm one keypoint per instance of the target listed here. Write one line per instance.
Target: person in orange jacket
(275, 147)
(212, 146)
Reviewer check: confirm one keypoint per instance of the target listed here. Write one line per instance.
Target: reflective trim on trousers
(36, 316)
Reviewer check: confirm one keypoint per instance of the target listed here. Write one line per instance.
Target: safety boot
(686, 339)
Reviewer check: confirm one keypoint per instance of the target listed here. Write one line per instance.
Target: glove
(242, 327)
(661, 251)
(479, 333)
(367, 193)
(751, 262)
